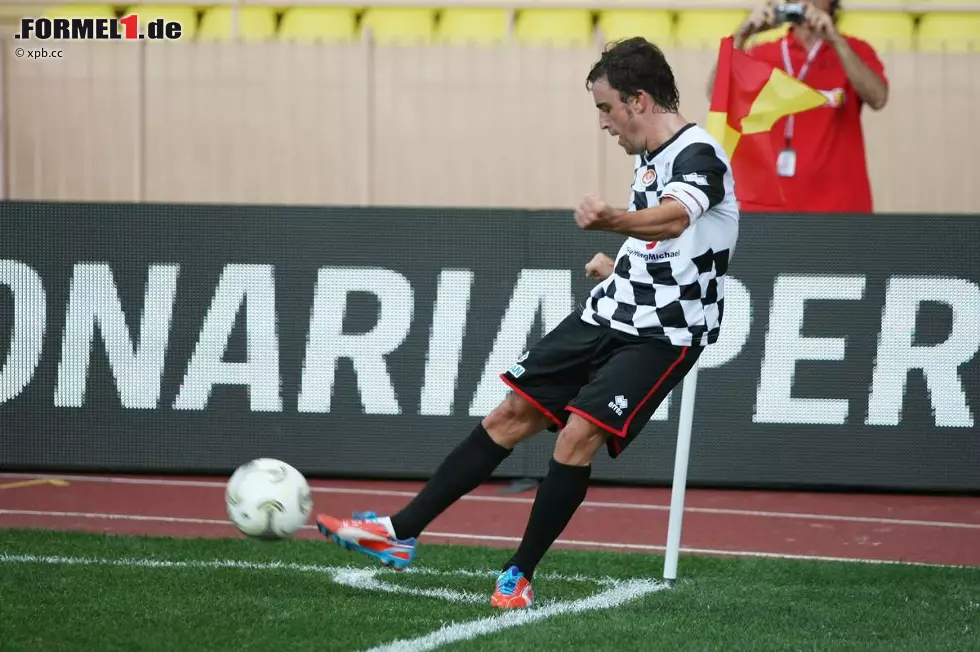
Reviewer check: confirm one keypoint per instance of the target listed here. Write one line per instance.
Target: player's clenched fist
(600, 267)
(590, 213)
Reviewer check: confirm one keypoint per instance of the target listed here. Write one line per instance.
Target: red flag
(749, 96)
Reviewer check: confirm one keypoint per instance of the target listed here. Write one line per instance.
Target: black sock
(463, 470)
(560, 494)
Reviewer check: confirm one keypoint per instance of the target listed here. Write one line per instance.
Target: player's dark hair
(834, 9)
(633, 65)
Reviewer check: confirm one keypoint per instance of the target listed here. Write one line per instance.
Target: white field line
(613, 597)
(359, 578)
(521, 501)
(492, 537)
(278, 565)
(616, 592)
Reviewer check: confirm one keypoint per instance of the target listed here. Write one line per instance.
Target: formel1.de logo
(97, 29)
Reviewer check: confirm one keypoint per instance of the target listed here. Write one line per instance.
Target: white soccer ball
(268, 499)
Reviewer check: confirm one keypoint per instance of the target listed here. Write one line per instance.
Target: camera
(792, 12)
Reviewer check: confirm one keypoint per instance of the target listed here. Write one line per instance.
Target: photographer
(820, 156)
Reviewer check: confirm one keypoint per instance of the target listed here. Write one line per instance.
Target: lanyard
(789, 69)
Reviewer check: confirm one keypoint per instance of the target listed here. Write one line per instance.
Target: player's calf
(469, 464)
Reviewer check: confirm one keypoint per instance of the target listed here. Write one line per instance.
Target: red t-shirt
(831, 166)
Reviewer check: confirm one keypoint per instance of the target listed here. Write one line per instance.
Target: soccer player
(597, 378)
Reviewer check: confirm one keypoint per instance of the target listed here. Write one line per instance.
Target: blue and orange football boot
(368, 533)
(513, 590)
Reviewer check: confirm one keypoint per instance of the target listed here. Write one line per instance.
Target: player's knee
(578, 442)
(514, 420)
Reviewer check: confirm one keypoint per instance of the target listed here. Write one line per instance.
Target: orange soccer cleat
(368, 533)
(513, 590)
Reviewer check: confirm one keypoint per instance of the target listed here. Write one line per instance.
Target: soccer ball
(268, 499)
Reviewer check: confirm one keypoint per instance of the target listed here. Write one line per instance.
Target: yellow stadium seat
(254, 24)
(554, 27)
(656, 26)
(886, 31)
(185, 15)
(81, 11)
(400, 25)
(472, 25)
(699, 29)
(310, 24)
(949, 32)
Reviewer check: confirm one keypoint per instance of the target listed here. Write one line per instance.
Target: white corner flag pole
(680, 475)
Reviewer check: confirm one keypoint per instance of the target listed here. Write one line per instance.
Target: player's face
(616, 117)
(823, 5)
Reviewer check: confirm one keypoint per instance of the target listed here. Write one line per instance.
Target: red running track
(917, 529)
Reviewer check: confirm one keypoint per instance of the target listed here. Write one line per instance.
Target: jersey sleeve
(698, 179)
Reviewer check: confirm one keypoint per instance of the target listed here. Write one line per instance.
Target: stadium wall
(368, 124)
(366, 341)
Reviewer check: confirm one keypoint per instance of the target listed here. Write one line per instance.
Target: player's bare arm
(663, 222)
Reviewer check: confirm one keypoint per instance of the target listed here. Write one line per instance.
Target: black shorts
(613, 379)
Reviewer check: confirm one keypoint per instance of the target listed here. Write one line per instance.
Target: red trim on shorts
(660, 382)
(520, 392)
(629, 419)
(591, 419)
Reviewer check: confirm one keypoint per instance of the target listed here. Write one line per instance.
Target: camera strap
(811, 55)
